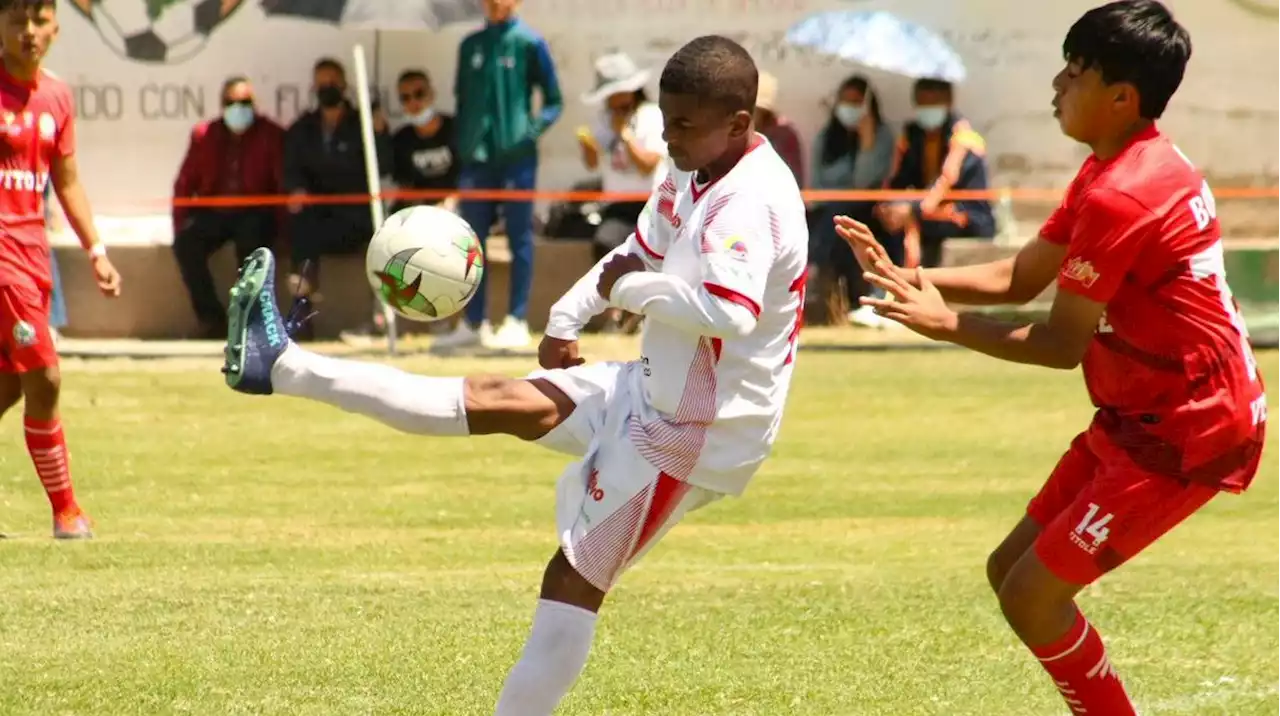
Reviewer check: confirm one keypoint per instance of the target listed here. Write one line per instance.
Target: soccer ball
(158, 31)
(425, 263)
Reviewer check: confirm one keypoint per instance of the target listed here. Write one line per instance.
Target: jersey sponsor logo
(48, 127)
(24, 334)
(22, 180)
(1077, 269)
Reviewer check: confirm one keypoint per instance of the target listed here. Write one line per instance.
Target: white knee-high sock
(418, 404)
(552, 659)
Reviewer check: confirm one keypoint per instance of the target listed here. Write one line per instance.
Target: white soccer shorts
(612, 505)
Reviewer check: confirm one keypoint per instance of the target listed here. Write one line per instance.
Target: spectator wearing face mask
(237, 154)
(324, 154)
(853, 151)
(939, 152)
(422, 151)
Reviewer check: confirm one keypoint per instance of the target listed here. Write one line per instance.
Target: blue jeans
(57, 304)
(521, 175)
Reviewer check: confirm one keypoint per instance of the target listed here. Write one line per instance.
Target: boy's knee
(526, 409)
(40, 389)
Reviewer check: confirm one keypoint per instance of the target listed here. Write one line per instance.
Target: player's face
(698, 133)
(1088, 109)
(27, 32)
(499, 10)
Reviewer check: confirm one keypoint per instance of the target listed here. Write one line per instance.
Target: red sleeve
(1108, 232)
(65, 144)
(1057, 228)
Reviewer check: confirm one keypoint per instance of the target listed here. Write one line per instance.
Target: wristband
(98, 250)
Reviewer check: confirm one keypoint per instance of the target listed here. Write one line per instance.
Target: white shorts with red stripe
(612, 505)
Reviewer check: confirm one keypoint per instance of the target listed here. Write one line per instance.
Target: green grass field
(268, 556)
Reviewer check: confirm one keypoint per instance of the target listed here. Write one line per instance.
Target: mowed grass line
(267, 556)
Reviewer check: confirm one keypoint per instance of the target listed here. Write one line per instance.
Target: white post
(373, 174)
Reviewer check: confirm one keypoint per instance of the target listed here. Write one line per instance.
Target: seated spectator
(237, 154)
(627, 136)
(779, 130)
(324, 155)
(853, 151)
(422, 151)
(939, 152)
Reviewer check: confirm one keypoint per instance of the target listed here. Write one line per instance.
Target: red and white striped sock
(48, 449)
(1080, 669)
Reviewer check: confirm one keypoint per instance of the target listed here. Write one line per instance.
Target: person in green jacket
(499, 66)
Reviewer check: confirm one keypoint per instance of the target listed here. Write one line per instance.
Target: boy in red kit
(1143, 304)
(37, 144)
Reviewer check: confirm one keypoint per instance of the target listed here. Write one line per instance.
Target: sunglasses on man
(237, 102)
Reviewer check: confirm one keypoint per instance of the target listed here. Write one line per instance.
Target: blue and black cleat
(257, 334)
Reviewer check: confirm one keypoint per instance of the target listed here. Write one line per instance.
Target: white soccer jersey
(723, 297)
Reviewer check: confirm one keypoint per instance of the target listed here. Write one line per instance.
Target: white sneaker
(463, 336)
(866, 317)
(513, 334)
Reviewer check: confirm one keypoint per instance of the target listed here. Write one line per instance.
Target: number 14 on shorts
(1094, 527)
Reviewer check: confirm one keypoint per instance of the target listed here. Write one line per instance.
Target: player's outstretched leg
(262, 360)
(1041, 609)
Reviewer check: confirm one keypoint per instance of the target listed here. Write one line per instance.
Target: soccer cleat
(72, 524)
(257, 334)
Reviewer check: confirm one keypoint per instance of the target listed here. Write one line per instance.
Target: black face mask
(329, 95)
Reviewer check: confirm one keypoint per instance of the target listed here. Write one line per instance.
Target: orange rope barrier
(1023, 195)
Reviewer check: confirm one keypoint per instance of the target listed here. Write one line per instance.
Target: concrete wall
(135, 116)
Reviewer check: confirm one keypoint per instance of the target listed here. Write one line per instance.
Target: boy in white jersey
(716, 264)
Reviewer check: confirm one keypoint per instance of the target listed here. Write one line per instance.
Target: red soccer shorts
(1099, 513)
(25, 341)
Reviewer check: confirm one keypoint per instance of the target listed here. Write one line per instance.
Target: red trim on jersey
(733, 296)
(717, 347)
(647, 248)
(667, 494)
(756, 141)
(32, 83)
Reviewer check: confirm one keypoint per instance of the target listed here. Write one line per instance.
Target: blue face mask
(849, 114)
(931, 117)
(423, 118)
(238, 117)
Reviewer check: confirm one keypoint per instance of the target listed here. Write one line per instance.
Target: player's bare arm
(1060, 342)
(75, 203)
(1012, 281)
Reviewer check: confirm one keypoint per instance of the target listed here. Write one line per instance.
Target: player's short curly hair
(1136, 42)
(715, 69)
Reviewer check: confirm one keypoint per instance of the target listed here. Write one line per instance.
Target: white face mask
(423, 118)
(238, 117)
(931, 117)
(849, 114)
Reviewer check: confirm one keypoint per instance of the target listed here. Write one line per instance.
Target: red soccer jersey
(37, 125)
(1170, 366)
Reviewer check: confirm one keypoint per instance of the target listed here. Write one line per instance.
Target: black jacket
(335, 166)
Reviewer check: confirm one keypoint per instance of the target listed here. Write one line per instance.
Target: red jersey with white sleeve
(723, 296)
(37, 126)
(1170, 367)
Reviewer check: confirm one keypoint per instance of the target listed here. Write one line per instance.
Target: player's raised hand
(107, 277)
(863, 243)
(618, 266)
(556, 353)
(921, 309)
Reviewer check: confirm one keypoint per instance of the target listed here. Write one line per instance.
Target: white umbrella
(879, 40)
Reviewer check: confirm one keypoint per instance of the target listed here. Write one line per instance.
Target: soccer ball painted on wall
(160, 31)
